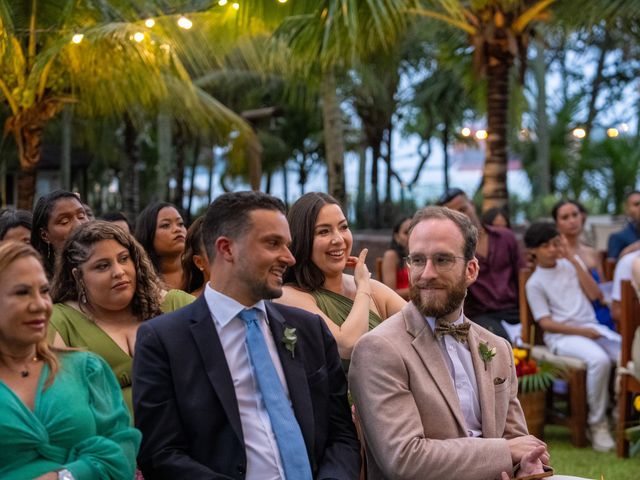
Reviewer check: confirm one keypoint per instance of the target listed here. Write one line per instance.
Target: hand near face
(563, 247)
(361, 272)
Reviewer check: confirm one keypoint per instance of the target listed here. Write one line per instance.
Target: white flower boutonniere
(486, 353)
(289, 340)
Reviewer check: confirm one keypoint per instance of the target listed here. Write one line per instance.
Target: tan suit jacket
(411, 417)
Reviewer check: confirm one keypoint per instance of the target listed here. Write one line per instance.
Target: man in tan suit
(435, 401)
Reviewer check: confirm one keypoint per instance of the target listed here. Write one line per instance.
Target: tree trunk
(65, 157)
(192, 183)
(165, 150)
(333, 137)
(375, 198)
(361, 214)
(543, 144)
(130, 187)
(181, 153)
(494, 189)
(212, 165)
(285, 183)
(445, 149)
(26, 188)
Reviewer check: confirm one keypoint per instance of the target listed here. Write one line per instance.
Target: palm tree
(53, 53)
(499, 32)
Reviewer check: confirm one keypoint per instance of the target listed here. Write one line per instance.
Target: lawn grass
(585, 462)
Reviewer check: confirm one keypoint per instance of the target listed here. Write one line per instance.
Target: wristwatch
(65, 474)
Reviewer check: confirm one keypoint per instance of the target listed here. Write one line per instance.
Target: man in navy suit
(198, 388)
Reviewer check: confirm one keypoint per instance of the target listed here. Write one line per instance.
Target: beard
(428, 303)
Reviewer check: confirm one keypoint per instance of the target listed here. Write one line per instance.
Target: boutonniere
(486, 353)
(289, 340)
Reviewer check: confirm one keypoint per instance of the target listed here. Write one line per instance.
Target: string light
(465, 132)
(282, 1)
(481, 134)
(612, 132)
(624, 127)
(236, 6)
(222, 3)
(77, 38)
(138, 36)
(579, 132)
(184, 22)
(149, 22)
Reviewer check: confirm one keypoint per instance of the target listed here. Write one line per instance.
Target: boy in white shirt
(560, 292)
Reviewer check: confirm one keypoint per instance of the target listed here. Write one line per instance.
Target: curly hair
(9, 253)
(77, 250)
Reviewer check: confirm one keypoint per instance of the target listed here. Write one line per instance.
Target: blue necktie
(293, 452)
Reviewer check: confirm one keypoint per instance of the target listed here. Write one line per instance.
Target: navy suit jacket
(186, 407)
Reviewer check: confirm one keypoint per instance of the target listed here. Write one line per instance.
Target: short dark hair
(228, 216)
(539, 233)
(302, 218)
(449, 195)
(562, 203)
(490, 215)
(145, 231)
(11, 218)
(41, 214)
(632, 192)
(467, 228)
(115, 216)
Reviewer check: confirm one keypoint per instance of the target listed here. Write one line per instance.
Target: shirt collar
(432, 320)
(224, 308)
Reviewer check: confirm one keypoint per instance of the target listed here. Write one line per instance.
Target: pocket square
(499, 380)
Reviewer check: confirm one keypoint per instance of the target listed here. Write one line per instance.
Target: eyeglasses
(449, 195)
(442, 262)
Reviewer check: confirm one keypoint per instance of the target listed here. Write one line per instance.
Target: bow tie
(459, 332)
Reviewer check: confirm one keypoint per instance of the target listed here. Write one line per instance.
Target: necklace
(25, 373)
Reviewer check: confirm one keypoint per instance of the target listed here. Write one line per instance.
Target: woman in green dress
(321, 243)
(104, 286)
(61, 413)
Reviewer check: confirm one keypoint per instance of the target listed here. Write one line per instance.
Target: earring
(83, 294)
(48, 250)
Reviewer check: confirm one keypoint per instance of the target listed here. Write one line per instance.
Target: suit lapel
(295, 375)
(484, 379)
(425, 344)
(208, 343)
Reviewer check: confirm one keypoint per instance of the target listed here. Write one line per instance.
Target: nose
(118, 271)
(429, 271)
(287, 257)
(336, 237)
(41, 301)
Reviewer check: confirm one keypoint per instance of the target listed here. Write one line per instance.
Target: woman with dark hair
(195, 263)
(118, 218)
(496, 217)
(162, 233)
(61, 412)
(15, 225)
(321, 244)
(395, 273)
(570, 217)
(104, 287)
(55, 216)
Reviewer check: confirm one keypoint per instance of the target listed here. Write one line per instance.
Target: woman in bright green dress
(104, 287)
(61, 413)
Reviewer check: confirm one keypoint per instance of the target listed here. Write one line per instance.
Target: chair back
(526, 318)
(608, 267)
(379, 269)
(629, 319)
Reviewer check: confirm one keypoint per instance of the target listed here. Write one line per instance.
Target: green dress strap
(337, 307)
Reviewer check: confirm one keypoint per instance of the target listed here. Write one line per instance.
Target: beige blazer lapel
(427, 348)
(484, 379)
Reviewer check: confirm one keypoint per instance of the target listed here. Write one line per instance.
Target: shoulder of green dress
(175, 299)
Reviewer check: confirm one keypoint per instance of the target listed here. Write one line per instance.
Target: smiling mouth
(336, 254)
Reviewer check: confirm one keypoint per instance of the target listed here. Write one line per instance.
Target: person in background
(89, 211)
(55, 216)
(15, 225)
(236, 386)
(395, 273)
(623, 271)
(104, 288)
(321, 243)
(118, 218)
(496, 217)
(194, 261)
(61, 412)
(493, 297)
(162, 233)
(559, 293)
(570, 217)
(627, 240)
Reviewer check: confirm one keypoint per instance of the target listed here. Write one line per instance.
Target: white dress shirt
(263, 454)
(457, 356)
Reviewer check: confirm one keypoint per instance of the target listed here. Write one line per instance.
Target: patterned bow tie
(459, 332)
